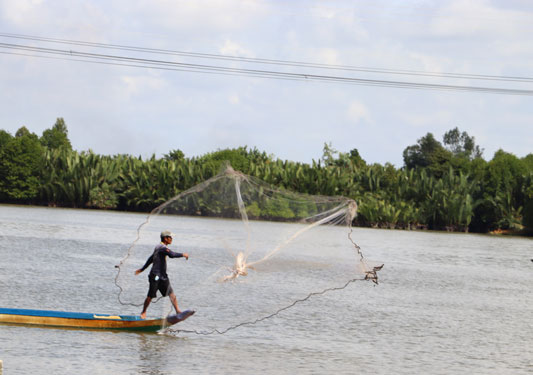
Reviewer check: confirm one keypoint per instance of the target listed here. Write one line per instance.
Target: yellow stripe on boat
(107, 317)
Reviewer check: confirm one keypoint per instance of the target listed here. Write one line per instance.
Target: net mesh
(254, 251)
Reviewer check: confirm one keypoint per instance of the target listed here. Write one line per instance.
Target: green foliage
(277, 209)
(428, 153)
(450, 188)
(102, 197)
(505, 171)
(449, 203)
(237, 157)
(176, 155)
(253, 211)
(148, 184)
(356, 158)
(528, 162)
(57, 136)
(20, 164)
(334, 158)
(328, 154)
(69, 178)
(501, 195)
(23, 132)
(527, 219)
(527, 212)
(5, 137)
(461, 144)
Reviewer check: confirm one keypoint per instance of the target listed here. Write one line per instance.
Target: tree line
(444, 185)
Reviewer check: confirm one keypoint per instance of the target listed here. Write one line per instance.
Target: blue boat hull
(89, 321)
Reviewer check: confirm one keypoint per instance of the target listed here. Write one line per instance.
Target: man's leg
(145, 307)
(174, 302)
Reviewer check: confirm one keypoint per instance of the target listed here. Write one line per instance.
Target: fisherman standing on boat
(158, 277)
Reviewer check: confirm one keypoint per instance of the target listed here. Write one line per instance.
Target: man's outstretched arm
(148, 262)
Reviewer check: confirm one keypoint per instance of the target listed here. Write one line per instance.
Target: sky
(117, 109)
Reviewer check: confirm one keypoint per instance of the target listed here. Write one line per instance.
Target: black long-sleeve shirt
(159, 260)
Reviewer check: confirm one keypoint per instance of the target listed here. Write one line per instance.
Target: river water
(445, 304)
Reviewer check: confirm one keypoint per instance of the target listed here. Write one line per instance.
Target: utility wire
(179, 66)
(273, 61)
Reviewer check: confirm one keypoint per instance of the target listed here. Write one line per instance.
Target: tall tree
(329, 154)
(427, 153)
(356, 158)
(237, 157)
(502, 195)
(57, 136)
(20, 165)
(528, 162)
(175, 155)
(22, 131)
(461, 144)
(5, 137)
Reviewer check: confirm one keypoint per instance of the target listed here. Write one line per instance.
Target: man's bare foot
(143, 315)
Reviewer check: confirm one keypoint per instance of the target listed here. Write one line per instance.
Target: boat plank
(79, 320)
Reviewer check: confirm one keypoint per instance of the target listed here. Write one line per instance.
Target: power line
(190, 67)
(273, 61)
(119, 64)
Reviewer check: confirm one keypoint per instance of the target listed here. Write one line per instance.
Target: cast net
(254, 250)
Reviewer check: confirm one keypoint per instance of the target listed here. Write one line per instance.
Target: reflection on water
(446, 304)
(153, 351)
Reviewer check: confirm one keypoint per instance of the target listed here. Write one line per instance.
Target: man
(158, 277)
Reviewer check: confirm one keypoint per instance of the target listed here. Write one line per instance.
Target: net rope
(233, 195)
(369, 275)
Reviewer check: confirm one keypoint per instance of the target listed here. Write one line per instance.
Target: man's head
(166, 237)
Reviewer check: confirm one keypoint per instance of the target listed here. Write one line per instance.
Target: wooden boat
(89, 321)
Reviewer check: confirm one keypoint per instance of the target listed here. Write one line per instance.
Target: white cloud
(199, 16)
(21, 11)
(329, 56)
(427, 120)
(140, 84)
(357, 111)
(234, 99)
(429, 63)
(231, 48)
(479, 18)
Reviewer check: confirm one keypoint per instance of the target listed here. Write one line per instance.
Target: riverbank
(511, 232)
(355, 224)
